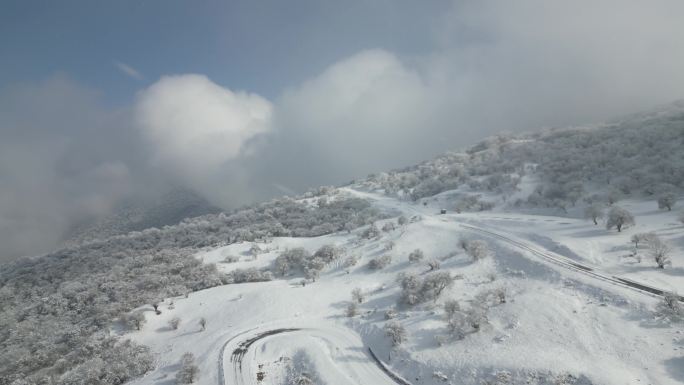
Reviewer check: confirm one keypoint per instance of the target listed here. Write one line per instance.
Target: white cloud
(196, 127)
(128, 70)
(366, 112)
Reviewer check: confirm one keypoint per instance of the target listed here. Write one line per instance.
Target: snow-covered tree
(396, 333)
(388, 226)
(401, 221)
(203, 323)
(350, 261)
(451, 307)
(137, 320)
(619, 218)
(434, 264)
(667, 201)
(380, 262)
(357, 295)
(371, 232)
(352, 309)
(477, 249)
(416, 256)
(174, 322)
(670, 307)
(660, 251)
(638, 238)
(389, 245)
(390, 313)
(188, 372)
(594, 212)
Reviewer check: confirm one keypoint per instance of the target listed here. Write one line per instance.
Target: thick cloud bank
(194, 127)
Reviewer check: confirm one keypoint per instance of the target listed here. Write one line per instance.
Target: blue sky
(261, 46)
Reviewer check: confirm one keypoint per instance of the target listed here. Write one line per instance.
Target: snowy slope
(556, 320)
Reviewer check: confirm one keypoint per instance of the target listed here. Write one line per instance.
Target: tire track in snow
(372, 372)
(564, 262)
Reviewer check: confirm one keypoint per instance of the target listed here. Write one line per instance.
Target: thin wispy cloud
(129, 71)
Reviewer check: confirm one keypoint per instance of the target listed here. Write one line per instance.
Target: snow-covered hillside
(557, 260)
(543, 305)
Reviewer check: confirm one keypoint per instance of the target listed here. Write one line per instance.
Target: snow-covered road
(339, 354)
(465, 222)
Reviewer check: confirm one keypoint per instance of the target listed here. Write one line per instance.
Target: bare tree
(619, 218)
(594, 212)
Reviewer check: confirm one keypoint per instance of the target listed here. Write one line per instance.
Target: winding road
(340, 354)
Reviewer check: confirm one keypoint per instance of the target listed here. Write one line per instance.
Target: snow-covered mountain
(545, 258)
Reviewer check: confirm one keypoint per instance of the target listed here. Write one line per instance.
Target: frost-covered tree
(594, 212)
(357, 295)
(477, 249)
(137, 320)
(188, 372)
(350, 261)
(636, 239)
(416, 256)
(255, 250)
(380, 262)
(202, 323)
(451, 307)
(435, 283)
(434, 264)
(174, 322)
(371, 232)
(388, 227)
(660, 251)
(670, 307)
(667, 201)
(476, 316)
(389, 246)
(352, 309)
(415, 290)
(396, 333)
(390, 313)
(619, 218)
(328, 254)
(401, 221)
(681, 217)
